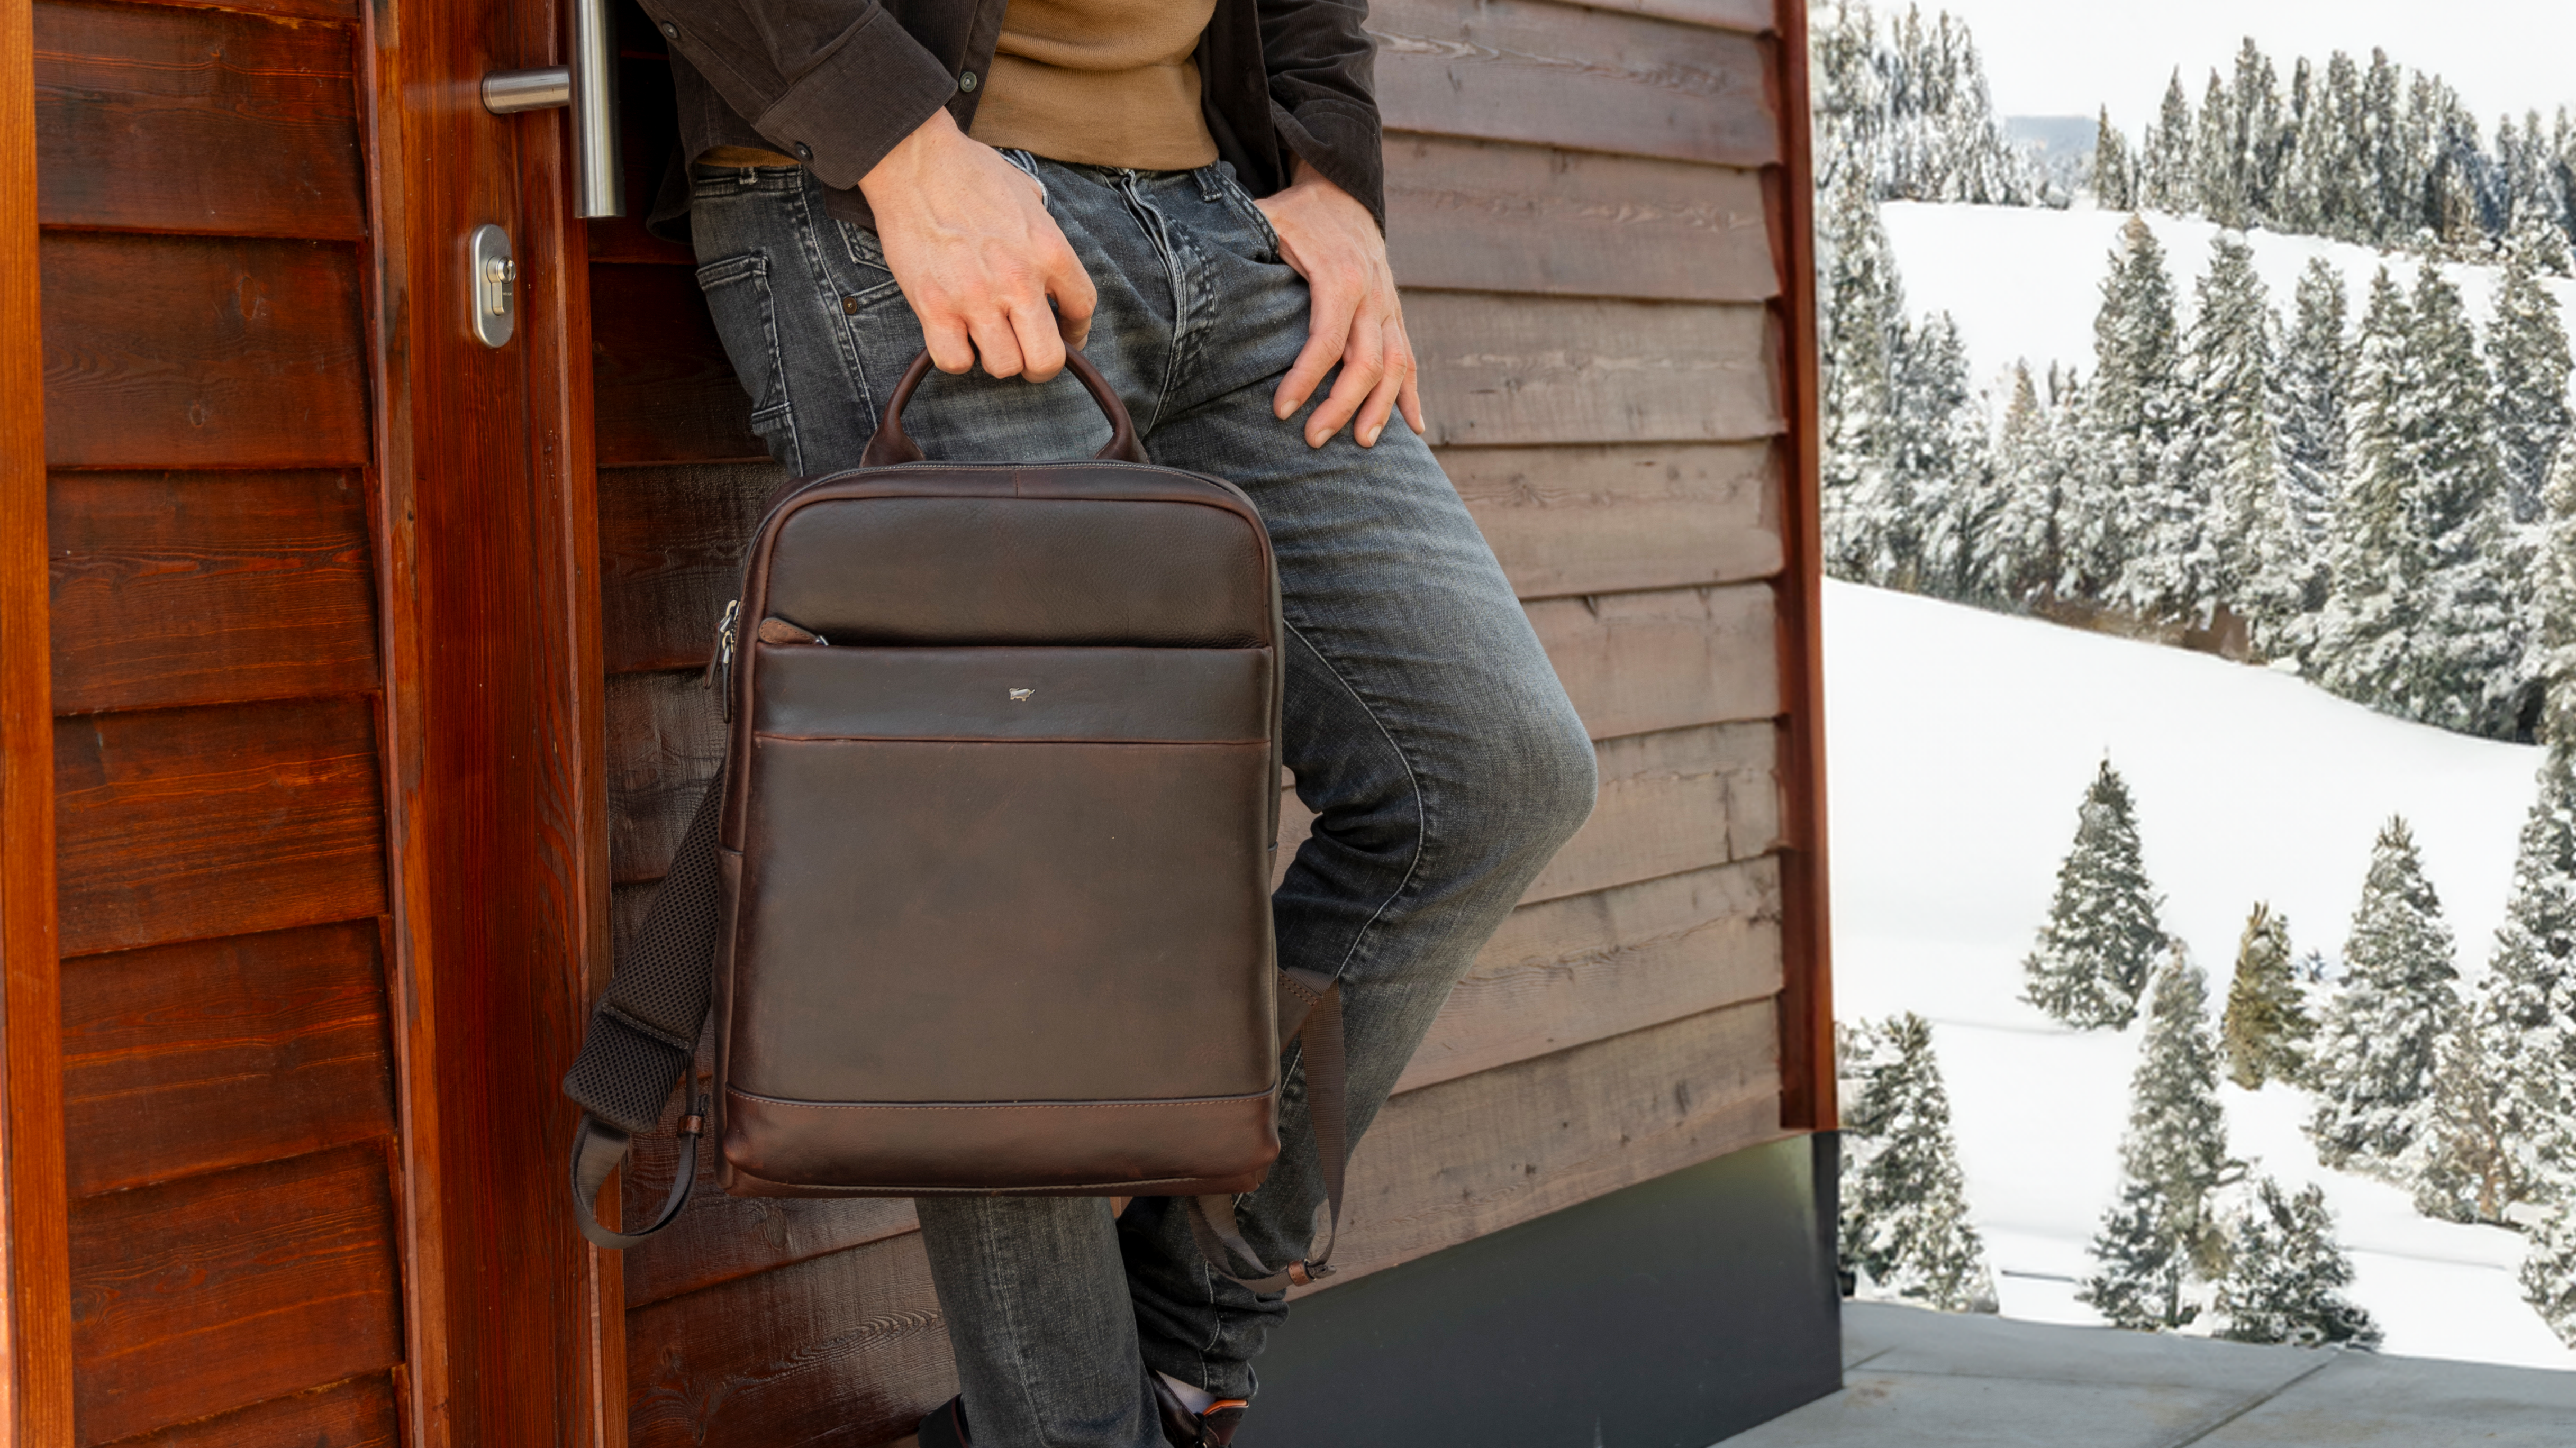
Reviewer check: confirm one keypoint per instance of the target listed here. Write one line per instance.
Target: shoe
(944, 1426)
(1182, 1428)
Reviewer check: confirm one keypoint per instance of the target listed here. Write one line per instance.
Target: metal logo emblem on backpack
(854, 897)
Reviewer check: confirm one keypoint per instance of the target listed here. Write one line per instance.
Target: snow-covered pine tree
(2139, 1269)
(2015, 560)
(2218, 179)
(2460, 1168)
(1865, 518)
(1905, 1226)
(2316, 385)
(2293, 205)
(2390, 171)
(2231, 456)
(2146, 548)
(2115, 178)
(2334, 153)
(2525, 1032)
(2469, 649)
(2262, 133)
(2101, 938)
(2165, 179)
(2175, 1150)
(2177, 1138)
(2380, 1042)
(2374, 605)
(1937, 464)
(2549, 1269)
(2527, 354)
(2266, 1033)
(2551, 661)
(1845, 97)
(2286, 1275)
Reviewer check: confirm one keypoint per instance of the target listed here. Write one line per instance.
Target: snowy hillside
(2024, 283)
(1961, 742)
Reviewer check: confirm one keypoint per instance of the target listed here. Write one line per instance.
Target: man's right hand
(968, 238)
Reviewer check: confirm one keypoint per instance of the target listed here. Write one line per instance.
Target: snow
(2024, 282)
(1959, 745)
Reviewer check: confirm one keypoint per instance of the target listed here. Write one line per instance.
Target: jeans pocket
(875, 282)
(746, 318)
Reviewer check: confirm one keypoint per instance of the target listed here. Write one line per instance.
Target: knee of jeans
(1535, 777)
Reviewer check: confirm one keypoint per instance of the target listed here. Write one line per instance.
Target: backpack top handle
(891, 445)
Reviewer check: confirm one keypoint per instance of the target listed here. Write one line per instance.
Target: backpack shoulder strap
(644, 1031)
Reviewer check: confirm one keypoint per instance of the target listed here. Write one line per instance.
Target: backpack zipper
(720, 663)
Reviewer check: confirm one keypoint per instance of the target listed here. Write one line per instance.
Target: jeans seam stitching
(828, 296)
(1413, 781)
(1157, 229)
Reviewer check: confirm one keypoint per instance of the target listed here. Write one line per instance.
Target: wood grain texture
(197, 120)
(361, 1412)
(670, 555)
(221, 1291)
(35, 1300)
(1635, 663)
(1497, 217)
(1503, 369)
(1807, 1004)
(188, 824)
(844, 1349)
(1582, 79)
(1588, 967)
(1469, 1157)
(1682, 800)
(1750, 16)
(723, 1239)
(178, 588)
(192, 1058)
(1575, 520)
(663, 388)
(165, 351)
(665, 741)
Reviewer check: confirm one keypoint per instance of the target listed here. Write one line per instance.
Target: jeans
(1423, 723)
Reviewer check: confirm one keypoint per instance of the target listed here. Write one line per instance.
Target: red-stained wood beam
(1807, 1004)
(492, 783)
(35, 1263)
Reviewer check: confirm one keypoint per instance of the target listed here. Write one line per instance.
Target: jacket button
(804, 152)
(966, 81)
(670, 30)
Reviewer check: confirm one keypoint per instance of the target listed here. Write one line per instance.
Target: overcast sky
(2064, 57)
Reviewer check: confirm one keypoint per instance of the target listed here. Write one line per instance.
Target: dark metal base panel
(1671, 1314)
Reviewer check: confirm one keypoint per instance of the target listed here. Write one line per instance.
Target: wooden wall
(1591, 212)
(228, 1110)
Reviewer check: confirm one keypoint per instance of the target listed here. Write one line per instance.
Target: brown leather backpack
(981, 896)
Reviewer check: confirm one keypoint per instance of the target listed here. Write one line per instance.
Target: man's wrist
(900, 168)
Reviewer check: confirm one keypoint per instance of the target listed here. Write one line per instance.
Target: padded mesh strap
(645, 1029)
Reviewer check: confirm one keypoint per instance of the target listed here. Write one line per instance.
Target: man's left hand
(1329, 238)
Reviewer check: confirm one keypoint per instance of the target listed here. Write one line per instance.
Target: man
(1190, 191)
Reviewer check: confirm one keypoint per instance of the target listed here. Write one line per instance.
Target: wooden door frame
(35, 1252)
(493, 717)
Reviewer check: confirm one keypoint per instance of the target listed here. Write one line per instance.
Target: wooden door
(300, 844)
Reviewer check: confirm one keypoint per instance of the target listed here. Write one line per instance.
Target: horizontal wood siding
(1579, 215)
(227, 1055)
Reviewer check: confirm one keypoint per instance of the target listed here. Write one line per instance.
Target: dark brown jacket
(836, 83)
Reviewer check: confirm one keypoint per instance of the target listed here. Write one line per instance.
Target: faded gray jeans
(1423, 723)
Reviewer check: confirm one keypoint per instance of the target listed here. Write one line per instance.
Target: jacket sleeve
(1323, 92)
(835, 83)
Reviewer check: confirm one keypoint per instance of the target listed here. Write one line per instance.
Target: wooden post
(35, 1269)
(1807, 1003)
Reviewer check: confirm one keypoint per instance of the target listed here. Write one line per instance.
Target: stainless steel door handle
(589, 86)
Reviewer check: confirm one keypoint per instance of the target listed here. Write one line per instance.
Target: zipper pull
(720, 663)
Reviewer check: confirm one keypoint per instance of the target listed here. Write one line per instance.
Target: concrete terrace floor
(1916, 1379)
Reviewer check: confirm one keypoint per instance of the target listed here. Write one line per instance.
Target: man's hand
(1328, 237)
(967, 235)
